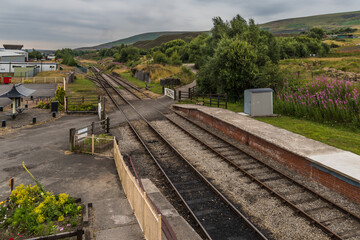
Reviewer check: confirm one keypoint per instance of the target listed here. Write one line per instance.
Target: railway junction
(227, 176)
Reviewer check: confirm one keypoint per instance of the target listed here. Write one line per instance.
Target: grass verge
(81, 87)
(339, 136)
(153, 87)
(342, 137)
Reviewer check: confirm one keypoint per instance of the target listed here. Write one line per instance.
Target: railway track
(319, 210)
(215, 215)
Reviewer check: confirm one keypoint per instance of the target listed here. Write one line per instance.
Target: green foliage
(160, 58)
(43, 105)
(35, 54)
(237, 55)
(98, 140)
(30, 211)
(129, 54)
(60, 95)
(82, 107)
(317, 33)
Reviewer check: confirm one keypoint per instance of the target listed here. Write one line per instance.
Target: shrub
(322, 99)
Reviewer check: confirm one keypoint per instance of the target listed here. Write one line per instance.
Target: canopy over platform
(17, 91)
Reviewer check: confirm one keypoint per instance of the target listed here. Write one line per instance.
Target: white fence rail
(38, 80)
(170, 93)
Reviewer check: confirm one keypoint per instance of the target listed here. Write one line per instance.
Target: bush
(160, 58)
(322, 100)
(34, 212)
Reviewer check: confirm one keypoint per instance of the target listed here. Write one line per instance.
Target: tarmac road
(93, 179)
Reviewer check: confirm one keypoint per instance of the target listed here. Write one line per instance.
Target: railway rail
(216, 216)
(310, 204)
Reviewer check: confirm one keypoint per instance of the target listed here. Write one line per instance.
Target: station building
(13, 57)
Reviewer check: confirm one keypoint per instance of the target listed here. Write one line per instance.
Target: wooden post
(79, 234)
(210, 100)
(159, 227)
(107, 125)
(64, 83)
(189, 93)
(66, 103)
(179, 96)
(92, 144)
(92, 127)
(226, 99)
(143, 211)
(72, 139)
(218, 101)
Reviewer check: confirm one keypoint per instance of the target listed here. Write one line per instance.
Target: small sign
(82, 133)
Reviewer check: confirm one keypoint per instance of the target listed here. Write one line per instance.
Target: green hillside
(327, 22)
(133, 39)
(147, 44)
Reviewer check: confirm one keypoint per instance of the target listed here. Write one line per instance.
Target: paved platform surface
(339, 161)
(43, 148)
(41, 90)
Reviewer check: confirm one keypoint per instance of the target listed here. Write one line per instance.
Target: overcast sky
(49, 24)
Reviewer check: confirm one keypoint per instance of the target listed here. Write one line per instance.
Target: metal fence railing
(212, 100)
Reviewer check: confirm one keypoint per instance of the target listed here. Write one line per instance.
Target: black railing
(212, 100)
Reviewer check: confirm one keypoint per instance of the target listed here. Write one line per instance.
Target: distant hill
(131, 40)
(326, 21)
(147, 44)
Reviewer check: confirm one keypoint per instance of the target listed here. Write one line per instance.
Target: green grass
(342, 137)
(153, 87)
(339, 136)
(82, 87)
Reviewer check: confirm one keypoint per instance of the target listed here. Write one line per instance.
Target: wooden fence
(38, 80)
(212, 100)
(149, 220)
(82, 104)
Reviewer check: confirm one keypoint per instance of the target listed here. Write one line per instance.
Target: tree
(160, 58)
(317, 33)
(35, 54)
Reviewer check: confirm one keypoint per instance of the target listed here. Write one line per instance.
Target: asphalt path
(44, 149)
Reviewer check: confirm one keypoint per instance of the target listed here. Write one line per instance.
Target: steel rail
(252, 226)
(253, 178)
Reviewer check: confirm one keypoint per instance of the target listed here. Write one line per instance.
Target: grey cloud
(79, 23)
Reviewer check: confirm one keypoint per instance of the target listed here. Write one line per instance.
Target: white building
(12, 57)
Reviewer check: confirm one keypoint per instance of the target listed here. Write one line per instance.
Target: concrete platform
(332, 167)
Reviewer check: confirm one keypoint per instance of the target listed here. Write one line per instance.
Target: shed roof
(259, 90)
(17, 91)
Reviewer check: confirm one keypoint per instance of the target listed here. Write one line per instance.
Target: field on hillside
(327, 21)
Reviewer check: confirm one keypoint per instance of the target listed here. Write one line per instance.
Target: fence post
(107, 125)
(92, 144)
(218, 101)
(226, 100)
(92, 127)
(66, 103)
(159, 227)
(179, 96)
(210, 100)
(189, 93)
(72, 139)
